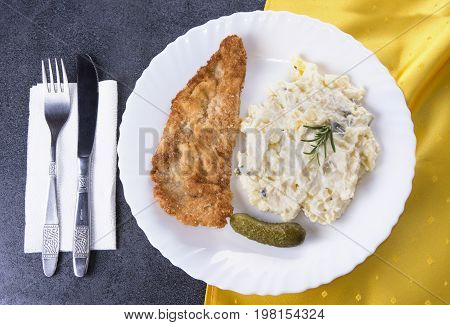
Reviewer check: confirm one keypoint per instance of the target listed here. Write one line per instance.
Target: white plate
(219, 256)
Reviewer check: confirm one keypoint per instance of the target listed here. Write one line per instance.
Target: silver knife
(87, 84)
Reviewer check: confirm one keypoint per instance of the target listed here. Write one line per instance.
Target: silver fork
(57, 110)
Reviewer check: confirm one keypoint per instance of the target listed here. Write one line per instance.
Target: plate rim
(322, 281)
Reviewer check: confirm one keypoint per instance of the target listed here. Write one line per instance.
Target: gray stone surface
(123, 36)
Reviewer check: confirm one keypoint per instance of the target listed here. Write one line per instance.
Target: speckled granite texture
(123, 36)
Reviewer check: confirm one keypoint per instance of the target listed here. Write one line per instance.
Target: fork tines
(58, 87)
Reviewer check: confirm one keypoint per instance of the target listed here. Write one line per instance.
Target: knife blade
(87, 86)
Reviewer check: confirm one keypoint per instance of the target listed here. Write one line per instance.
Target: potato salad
(306, 146)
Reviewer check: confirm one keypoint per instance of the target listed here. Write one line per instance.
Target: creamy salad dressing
(274, 168)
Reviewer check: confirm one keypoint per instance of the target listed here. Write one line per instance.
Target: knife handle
(82, 228)
(50, 240)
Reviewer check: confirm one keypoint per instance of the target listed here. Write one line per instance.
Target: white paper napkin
(103, 171)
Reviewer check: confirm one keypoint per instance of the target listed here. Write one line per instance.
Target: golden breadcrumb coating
(192, 164)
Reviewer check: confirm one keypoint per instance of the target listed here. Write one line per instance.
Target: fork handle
(82, 229)
(50, 241)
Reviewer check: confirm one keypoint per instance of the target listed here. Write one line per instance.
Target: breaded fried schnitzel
(192, 164)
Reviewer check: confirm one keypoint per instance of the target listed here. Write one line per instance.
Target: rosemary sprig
(323, 134)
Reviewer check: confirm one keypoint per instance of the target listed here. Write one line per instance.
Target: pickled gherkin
(287, 234)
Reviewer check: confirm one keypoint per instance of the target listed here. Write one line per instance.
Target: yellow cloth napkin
(412, 39)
